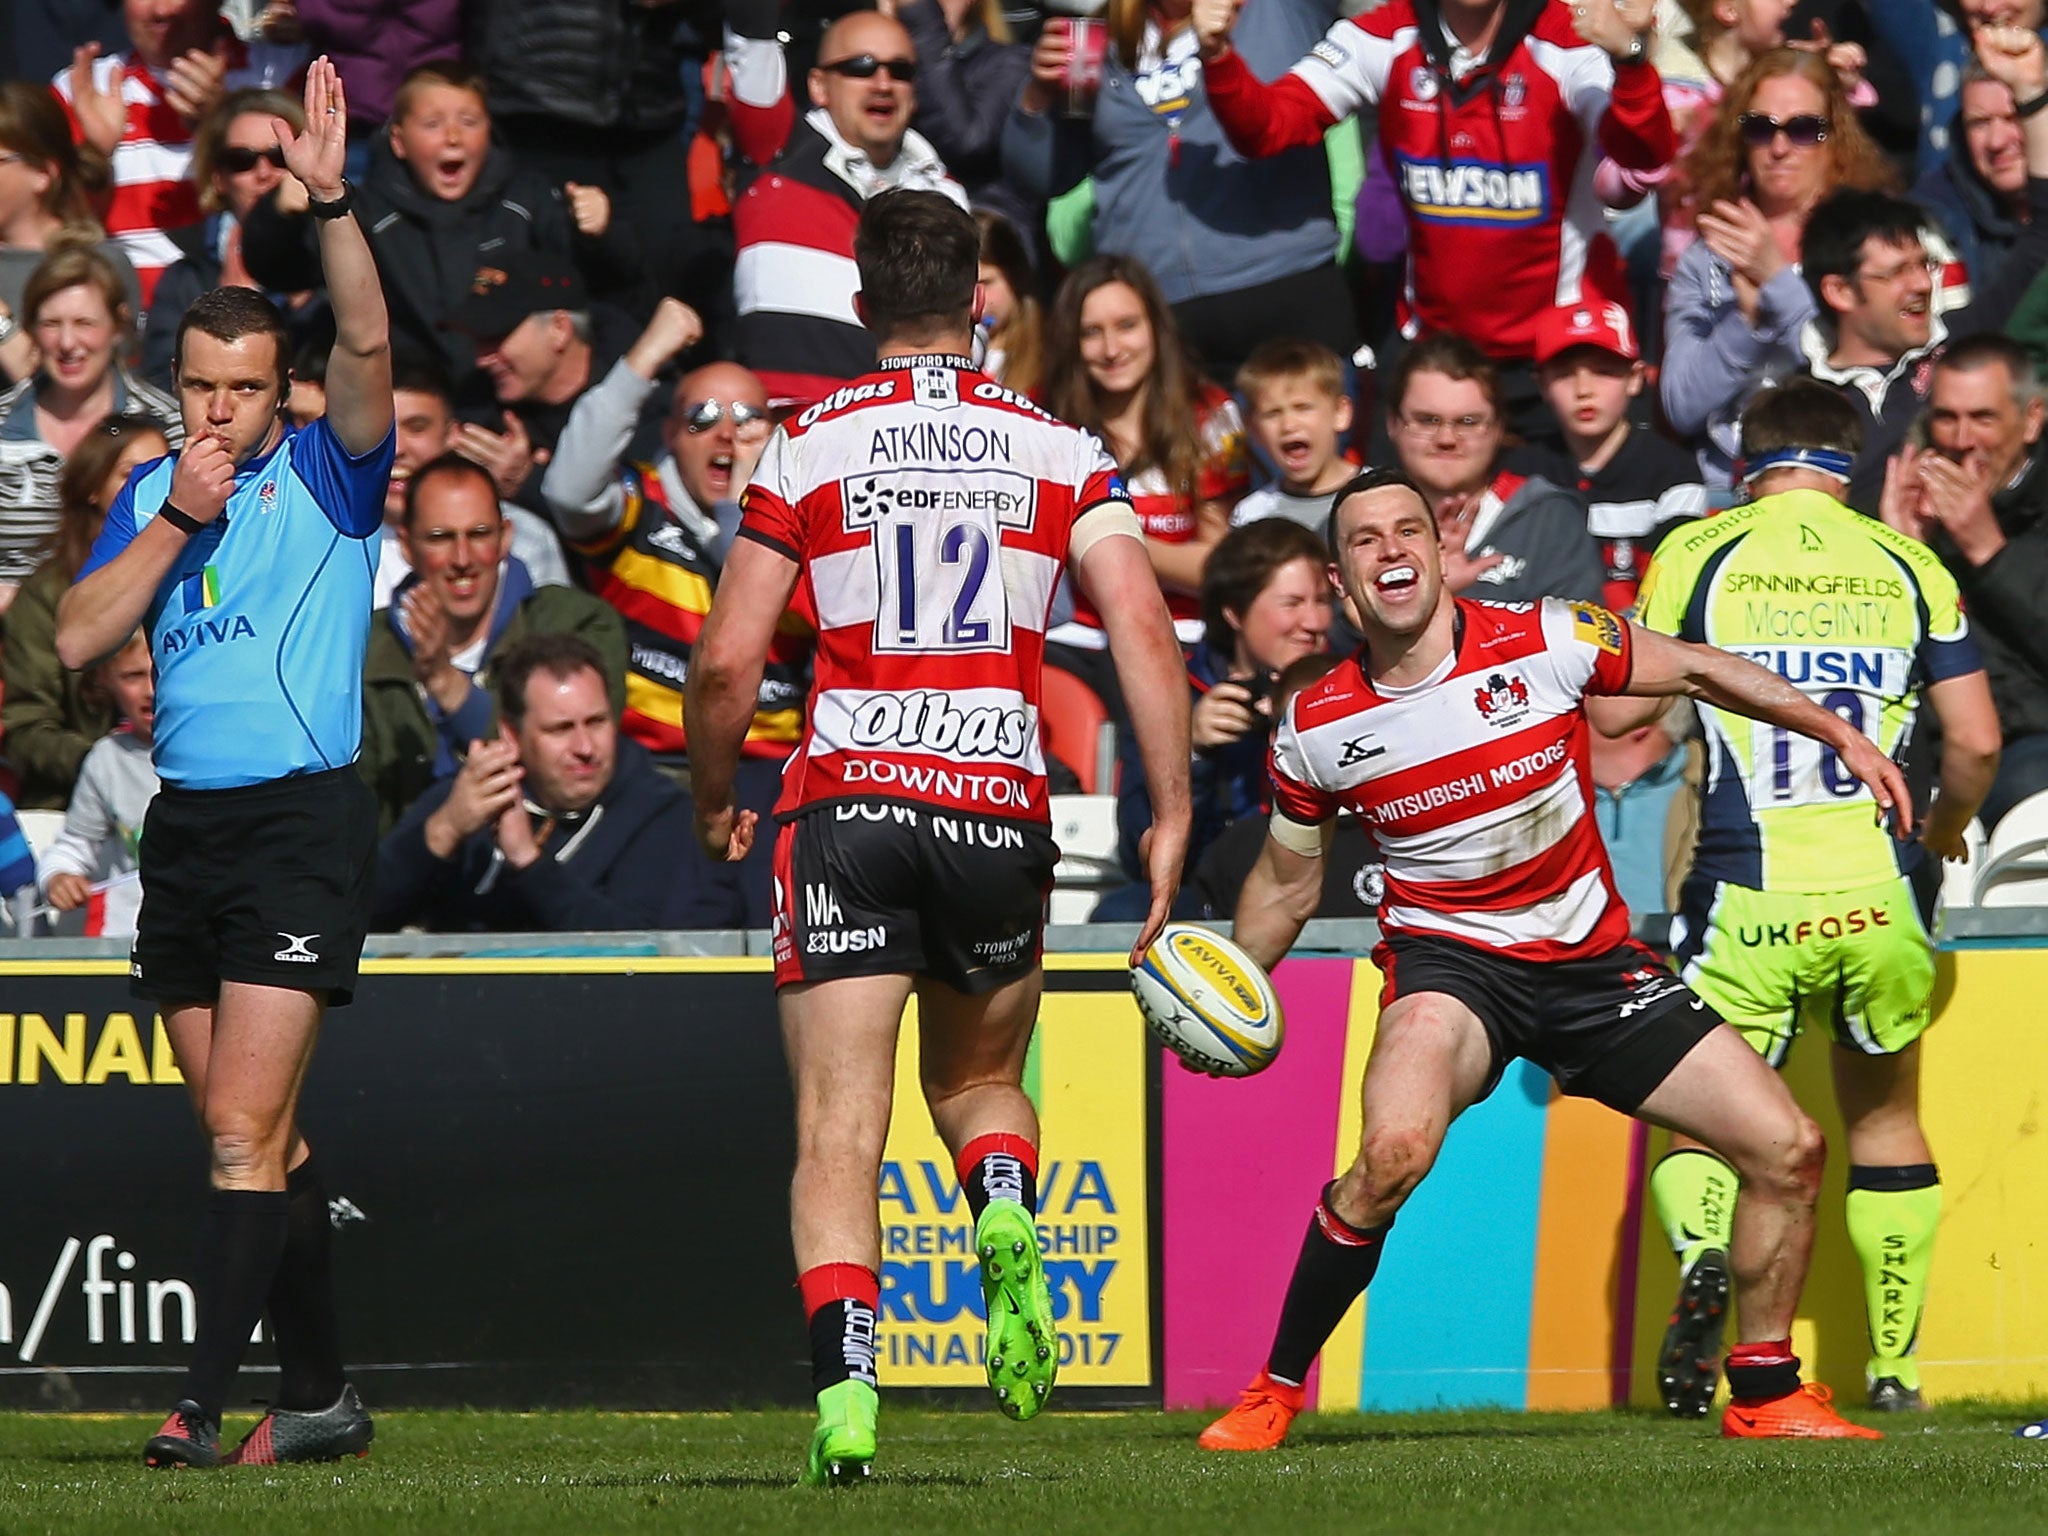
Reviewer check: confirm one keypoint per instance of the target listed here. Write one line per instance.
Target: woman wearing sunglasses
(236, 163)
(1784, 137)
(45, 182)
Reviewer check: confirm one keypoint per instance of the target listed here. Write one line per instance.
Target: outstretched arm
(359, 371)
(1666, 668)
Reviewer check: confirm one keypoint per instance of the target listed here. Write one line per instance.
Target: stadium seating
(2015, 864)
(1077, 731)
(1084, 826)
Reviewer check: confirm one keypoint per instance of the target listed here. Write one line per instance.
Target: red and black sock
(301, 1301)
(1337, 1263)
(1762, 1371)
(841, 1300)
(998, 1166)
(239, 1246)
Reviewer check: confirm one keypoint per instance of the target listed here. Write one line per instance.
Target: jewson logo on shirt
(1475, 193)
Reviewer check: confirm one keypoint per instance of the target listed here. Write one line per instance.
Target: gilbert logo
(296, 950)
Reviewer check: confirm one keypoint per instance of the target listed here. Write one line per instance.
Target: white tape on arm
(1104, 520)
(1297, 837)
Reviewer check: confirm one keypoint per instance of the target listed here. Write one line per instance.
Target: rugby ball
(1208, 1002)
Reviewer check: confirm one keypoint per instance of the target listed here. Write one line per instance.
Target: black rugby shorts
(1609, 1027)
(880, 888)
(266, 883)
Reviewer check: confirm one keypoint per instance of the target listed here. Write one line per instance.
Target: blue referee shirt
(259, 630)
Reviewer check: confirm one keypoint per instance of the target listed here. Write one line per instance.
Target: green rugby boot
(843, 1445)
(1023, 1348)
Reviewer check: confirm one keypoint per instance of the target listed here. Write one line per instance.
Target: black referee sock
(301, 1302)
(239, 1246)
(1337, 1263)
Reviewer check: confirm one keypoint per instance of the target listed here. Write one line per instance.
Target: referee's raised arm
(359, 370)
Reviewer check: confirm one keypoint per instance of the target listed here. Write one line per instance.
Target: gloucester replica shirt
(1494, 158)
(932, 511)
(1475, 782)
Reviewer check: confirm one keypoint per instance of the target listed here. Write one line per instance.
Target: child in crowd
(92, 861)
(1637, 485)
(1294, 394)
(441, 200)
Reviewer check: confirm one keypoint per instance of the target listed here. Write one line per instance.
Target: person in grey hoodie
(1243, 250)
(1508, 538)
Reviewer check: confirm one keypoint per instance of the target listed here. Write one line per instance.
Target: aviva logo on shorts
(1476, 192)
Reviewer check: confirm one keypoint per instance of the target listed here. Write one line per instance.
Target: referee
(247, 558)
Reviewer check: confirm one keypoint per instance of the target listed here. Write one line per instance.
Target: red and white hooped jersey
(931, 510)
(1476, 783)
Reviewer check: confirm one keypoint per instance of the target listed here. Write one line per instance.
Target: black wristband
(179, 519)
(2031, 105)
(341, 207)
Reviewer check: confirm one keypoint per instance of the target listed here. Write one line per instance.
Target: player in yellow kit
(1801, 910)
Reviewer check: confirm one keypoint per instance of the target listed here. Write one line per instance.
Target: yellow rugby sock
(1892, 1214)
(1693, 1192)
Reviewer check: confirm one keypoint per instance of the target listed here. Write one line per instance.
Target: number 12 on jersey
(940, 586)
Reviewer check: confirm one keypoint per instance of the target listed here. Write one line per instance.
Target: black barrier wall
(548, 1188)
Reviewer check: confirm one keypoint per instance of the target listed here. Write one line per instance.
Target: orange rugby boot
(1260, 1419)
(1807, 1414)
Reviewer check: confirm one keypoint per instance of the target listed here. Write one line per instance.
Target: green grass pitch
(1954, 1472)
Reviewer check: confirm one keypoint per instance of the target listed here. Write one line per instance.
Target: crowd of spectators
(1538, 253)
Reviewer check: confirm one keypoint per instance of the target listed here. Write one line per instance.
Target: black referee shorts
(266, 883)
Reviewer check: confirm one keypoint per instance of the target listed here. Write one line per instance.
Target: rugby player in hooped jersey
(930, 513)
(1458, 734)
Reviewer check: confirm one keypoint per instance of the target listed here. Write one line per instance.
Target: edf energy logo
(1474, 193)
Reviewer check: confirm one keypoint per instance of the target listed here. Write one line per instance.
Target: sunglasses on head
(706, 414)
(236, 158)
(865, 66)
(1804, 131)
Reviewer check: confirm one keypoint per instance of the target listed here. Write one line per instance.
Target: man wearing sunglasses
(1873, 279)
(653, 537)
(794, 278)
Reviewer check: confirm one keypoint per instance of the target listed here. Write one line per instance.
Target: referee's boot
(188, 1439)
(344, 1428)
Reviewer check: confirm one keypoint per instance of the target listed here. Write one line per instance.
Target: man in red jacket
(1493, 114)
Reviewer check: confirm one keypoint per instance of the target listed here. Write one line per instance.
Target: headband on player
(1825, 461)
